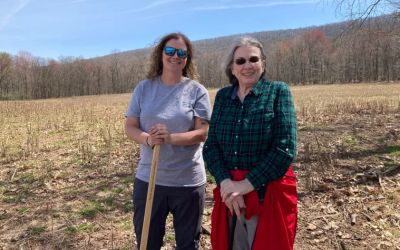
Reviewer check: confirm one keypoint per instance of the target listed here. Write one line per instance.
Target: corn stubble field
(67, 168)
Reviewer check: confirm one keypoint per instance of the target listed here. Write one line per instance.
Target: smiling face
(174, 64)
(250, 72)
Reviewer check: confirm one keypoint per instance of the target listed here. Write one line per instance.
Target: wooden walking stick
(150, 196)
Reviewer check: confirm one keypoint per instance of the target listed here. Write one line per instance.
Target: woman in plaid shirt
(250, 146)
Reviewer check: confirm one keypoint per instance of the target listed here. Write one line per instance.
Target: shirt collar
(234, 91)
(256, 90)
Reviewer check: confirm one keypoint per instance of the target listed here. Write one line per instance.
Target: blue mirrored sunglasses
(170, 51)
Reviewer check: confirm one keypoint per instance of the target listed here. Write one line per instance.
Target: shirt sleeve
(212, 152)
(283, 149)
(134, 107)
(202, 106)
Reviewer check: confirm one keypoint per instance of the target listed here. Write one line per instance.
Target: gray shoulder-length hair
(228, 62)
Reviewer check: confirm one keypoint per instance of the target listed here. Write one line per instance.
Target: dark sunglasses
(170, 51)
(242, 60)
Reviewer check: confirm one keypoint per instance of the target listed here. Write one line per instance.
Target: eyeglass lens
(242, 60)
(170, 51)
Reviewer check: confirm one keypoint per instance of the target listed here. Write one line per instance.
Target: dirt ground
(348, 171)
(349, 188)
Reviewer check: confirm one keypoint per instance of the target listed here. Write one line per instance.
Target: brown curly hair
(156, 64)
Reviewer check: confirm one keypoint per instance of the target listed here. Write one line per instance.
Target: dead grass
(67, 169)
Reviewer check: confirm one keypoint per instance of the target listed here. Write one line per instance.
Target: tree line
(320, 55)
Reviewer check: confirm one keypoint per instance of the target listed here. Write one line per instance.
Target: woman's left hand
(160, 131)
(231, 189)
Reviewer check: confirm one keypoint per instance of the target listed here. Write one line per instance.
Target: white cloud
(254, 5)
(20, 5)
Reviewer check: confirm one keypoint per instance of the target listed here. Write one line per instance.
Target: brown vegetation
(67, 168)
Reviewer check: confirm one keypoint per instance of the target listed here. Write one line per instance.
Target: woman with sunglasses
(250, 147)
(171, 109)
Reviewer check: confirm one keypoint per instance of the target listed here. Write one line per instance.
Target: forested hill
(333, 53)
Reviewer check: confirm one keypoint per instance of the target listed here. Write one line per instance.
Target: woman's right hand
(153, 140)
(227, 186)
(231, 189)
(158, 134)
(236, 205)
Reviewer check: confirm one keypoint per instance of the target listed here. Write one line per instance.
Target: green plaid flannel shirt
(258, 135)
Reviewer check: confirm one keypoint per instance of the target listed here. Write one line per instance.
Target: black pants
(186, 205)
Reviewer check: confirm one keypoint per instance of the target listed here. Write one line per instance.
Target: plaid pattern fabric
(258, 135)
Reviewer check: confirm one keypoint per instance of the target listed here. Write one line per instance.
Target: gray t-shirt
(175, 106)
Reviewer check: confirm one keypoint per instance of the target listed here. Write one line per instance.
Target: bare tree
(361, 10)
(5, 73)
(306, 56)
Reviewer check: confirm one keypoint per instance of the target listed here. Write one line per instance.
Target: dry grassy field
(67, 169)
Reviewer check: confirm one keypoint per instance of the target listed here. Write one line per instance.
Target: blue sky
(90, 28)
